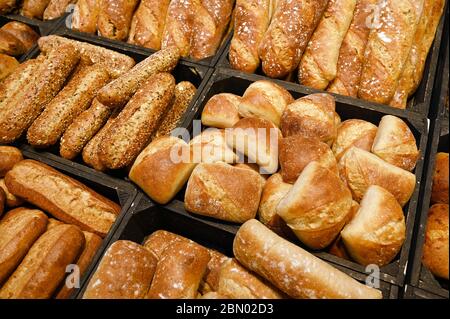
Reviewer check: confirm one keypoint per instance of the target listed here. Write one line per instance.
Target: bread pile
(195, 27)
(36, 9)
(36, 249)
(296, 166)
(169, 266)
(93, 101)
(371, 49)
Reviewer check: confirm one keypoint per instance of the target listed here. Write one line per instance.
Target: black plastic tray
(420, 276)
(417, 293)
(116, 190)
(147, 218)
(236, 82)
(419, 103)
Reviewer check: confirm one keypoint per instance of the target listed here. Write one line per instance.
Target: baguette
(8, 65)
(26, 106)
(44, 267)
(56, 9)
(85, 16)
(131, 130)
(73, 99)
(318, 65)
(292, 269)
(18, 231)
(34, 8)
(119, 92)
(114, 18)
(61, 196)
(9, 156)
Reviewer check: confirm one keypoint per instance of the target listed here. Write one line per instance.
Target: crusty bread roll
(435, 248)
(253, 167)
(159, 240)
(266, 100)
(211, 279)
(56, 8)
(162, 168)
(210, 146)
(85, 15)
(298, 151)
(22, 32)
(395, 143)
(7, 6)
(354, 132)
(292, 269)
(208, 184)
(236, 282)
(44, 267)
(8, 65)
(318, 65)
(9, 156)
(179, 272)
(221, 110)
(312, 116)
(114, 18)
(18, 232)
(317, 206)
(11, 200)
(10, 45)
(439, 191)
(52, 222)
(34, 8)
(258, 139)
(377, 232)
(360, 169)
(125, 272)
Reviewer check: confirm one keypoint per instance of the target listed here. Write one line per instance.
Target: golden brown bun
(34, 8)
(312, 116)
(354, 132)
(266, 100)
(253, 167)
(224, 192)
(52, 222)
(44, 267)
(377, 232)
(221, 110)
(24, 33)
(114, 18)
(395, 143)
(56, 8)
(286, 265)
(317, 206)
(19, 229)
(85, 15)
(7, 6)
(298, 151)
(10, 45)
(9, 156)
(8, 65)
(435, 248)
(360, 169)
(210, 146)
(439, 192)
(156, 172)
(11, 200)
(211, 278)
(125, 272)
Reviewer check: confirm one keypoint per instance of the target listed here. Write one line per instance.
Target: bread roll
(159, 240)
(360, 169)
(318, 65)
(119, 92)
(23, 32)
(298, 151)
(266, 100)
(114, 18)
(354, 132)
(56, 8)
(61, 196)
(9, 156)
(395, 143)
(221, 110)
(179, 272)
(258, 139)
(415, 64)
(351, 53)
(236, 282)
(34, 8)
(85, 15)
(210, 146)
(288, 34)
(18, 232)
(312, 116)
(160, 170)
(377, 232)
(52, 223)
(292, 269)
(7, 6)
(211, 279)
(44, 266)
(10, 45)
(387, 50)
(337, 248)
(317, 206)
(11, 200)
(8, 65)
(125, 272)
(251, 20)
(439, 191)
(435, 248)
(224, 192)
(253, 167)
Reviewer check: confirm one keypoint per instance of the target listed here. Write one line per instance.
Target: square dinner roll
(395, 143)
(210, 146)
(317, 206)
(221, 110)
(377, 232)
(158, 174)
(360, 169)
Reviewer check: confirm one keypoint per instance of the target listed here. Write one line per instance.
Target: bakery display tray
(236, 82)
(147, 218)
(45, 26)
(116, 190)
(419, 103)
(417, 293)
(420, 276)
